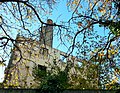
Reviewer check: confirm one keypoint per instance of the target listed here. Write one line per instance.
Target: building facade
(28, 54)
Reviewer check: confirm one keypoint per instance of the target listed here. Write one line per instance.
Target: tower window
(42, 68)
(44, 52)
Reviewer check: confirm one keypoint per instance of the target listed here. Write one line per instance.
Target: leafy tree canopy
(92, 33)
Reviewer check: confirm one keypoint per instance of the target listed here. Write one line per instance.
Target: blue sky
(59, 14)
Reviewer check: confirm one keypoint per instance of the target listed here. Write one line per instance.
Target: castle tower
(46, 34)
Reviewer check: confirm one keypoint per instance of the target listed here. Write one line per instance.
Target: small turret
(46, 35)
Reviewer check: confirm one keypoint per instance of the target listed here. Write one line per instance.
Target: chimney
(46, 35)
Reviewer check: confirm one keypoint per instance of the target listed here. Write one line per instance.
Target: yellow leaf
(29, 11)
(107, 0)
(90, 5)
(75, 2)
(112, 16)
(102, 10)
(116, 51)
(24, 4)
(109, 56)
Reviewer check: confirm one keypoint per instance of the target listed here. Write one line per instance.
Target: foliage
(51, 82)
(87, 79)
(114, 83)
(1, 85)
(54, 83)
(89, 32)
(115, 28)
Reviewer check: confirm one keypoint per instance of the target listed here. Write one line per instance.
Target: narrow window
(44, 52)
(42, 68)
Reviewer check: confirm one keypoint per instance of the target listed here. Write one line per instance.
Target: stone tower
(46, 34)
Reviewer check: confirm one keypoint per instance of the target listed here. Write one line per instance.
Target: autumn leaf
(81, 6)
(75, 2)
(90, 5)
(79, 24)
(107, 0)
(29, 11)
(102, 10)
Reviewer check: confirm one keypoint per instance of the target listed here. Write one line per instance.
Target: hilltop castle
(28, 53)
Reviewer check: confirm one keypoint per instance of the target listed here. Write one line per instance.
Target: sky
(60, 13)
